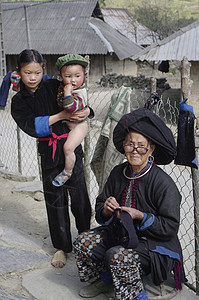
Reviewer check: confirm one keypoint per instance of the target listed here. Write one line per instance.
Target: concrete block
(28, 187)
(16, 237)
(7, 296)
(13, 259)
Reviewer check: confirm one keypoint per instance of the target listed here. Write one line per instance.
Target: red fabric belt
(53, 141)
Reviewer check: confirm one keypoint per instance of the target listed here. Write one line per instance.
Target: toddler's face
(73, 74)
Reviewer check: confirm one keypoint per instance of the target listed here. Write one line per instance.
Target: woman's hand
(80, 115)
(109, 206)
(134, 213)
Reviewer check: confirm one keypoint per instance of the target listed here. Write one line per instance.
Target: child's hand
(68, 90)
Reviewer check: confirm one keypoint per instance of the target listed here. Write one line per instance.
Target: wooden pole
(153, 84)
(186, 83)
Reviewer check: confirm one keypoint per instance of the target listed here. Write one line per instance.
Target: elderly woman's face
(137, 150)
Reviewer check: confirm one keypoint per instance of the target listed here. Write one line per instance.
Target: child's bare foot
(59, 259)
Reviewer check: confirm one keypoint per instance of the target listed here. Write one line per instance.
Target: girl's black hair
(29, 55)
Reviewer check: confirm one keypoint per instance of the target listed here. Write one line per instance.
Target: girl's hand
(62, 115)
(134, 213)
(80, 115)
(76, 117)
(109, 206)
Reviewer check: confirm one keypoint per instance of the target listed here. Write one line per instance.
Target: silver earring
(151, 159)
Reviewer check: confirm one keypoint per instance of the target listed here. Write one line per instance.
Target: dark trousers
(57, 205)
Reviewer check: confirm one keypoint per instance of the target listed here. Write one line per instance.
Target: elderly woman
(139, 210)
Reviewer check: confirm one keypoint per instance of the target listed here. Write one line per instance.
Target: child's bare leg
(74, 139)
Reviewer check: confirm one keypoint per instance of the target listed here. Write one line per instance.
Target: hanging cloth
(186, 155)
(152, 100)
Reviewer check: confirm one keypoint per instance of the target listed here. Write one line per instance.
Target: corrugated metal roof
(122, 46)
(56, 28)
(184, 42)
(122, 20)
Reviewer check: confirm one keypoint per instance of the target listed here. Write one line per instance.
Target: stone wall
(137, 82)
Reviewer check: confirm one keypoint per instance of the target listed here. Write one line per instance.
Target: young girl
(35, 110)
(72, 96)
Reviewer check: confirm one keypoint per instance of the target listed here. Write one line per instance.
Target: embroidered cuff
(42, 126)
(66, 97)
(101, 219)
(165, 251)
(146, 222)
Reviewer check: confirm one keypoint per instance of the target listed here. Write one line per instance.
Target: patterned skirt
(94, 257)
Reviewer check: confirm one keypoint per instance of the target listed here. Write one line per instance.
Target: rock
(39, 196)
(29, 188)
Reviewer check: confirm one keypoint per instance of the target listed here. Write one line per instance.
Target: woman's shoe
(141, 296)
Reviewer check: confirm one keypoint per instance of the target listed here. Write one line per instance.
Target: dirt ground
(24, 231)
(20, 211)
(23, 218)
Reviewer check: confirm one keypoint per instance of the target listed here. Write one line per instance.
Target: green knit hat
(70, 59)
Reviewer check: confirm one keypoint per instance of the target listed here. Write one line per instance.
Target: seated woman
(142, 190)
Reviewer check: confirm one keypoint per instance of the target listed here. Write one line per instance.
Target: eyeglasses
(140, 149)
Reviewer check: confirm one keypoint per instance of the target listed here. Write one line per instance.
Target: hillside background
(185, 9)
(162, 16)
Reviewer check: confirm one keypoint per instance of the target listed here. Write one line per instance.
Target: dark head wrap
(152, 127)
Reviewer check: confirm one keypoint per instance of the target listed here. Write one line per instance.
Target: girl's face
(31, 75)
(73, 74)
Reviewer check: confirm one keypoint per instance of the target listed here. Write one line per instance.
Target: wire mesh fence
(19, 155)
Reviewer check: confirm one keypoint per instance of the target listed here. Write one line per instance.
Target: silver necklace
(138, 176)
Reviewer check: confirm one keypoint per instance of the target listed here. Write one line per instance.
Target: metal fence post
(39, 161)
(19, 150)
(87, 139)
(186, 84)
(86, 158)
(195, 179)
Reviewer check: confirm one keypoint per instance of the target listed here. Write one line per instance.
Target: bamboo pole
(186, 83)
